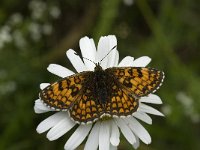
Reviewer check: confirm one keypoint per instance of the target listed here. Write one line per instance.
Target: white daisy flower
(103, 134)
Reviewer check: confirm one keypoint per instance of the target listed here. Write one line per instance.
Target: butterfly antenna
(107, 53)
(86, 58)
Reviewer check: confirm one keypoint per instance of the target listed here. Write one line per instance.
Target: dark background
(35, 33)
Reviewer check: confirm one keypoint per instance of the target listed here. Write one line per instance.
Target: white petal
(88, 51)
(102, 50)
(104, 135)
(149, 109)
(126, 131)
(143, 116)
(139, 130)
(76, 61)
(39, 107)
(77, 137)
(105, 44)
(126, 62)
(93, 139)
(116, 59)
(59, 70)
(151, 98)
(60, 128)
(112, 41)
(111, 58)
(137, 143)
(93, 47)
(44, 85)
(50, 122)
(141, 61)
(114, 137)
(113, 54)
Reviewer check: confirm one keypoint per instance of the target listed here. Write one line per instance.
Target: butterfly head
(98, 67)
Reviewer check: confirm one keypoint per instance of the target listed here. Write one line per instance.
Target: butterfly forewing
(141, 81)
(63, 93)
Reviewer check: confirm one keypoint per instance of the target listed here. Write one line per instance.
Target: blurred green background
(35, 33)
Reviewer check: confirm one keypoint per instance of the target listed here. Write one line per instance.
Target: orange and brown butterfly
(92, 95)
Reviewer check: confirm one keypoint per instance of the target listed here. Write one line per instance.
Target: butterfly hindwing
(86, 108)
(62, 94)
(141, 81)
(122, 102)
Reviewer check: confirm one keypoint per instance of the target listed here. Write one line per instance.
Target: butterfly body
(90, 95)
(100, 85)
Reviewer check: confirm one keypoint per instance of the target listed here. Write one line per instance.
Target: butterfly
(92, 95)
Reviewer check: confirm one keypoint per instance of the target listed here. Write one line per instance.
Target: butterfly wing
(86, 109)
(73, 94)
(122, 102)
(62, 94)
(140, 81)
